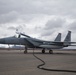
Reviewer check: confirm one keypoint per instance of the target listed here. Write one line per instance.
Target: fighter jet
(30, 42)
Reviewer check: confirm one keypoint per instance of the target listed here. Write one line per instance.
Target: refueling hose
(43, 63)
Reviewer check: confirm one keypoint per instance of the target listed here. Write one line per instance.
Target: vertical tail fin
(68, 37)
(67, 40)
(58, 38)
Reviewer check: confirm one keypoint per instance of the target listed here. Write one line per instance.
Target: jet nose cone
(2, 41)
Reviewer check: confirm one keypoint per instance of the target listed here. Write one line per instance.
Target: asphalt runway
(14, 62)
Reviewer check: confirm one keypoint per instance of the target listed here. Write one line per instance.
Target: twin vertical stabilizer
(67, 40)
(58, 38)
(68, 37)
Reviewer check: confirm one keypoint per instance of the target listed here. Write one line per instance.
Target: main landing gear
(43, 51)
(25, 50)
(50, 51)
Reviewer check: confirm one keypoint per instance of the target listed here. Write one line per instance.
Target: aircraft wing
(56, 43)
(63, 43)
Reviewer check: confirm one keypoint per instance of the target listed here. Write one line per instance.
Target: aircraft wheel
(25, 51)
(43, 51)
(51, 51)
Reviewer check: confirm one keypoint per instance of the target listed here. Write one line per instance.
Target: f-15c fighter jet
(30, 42)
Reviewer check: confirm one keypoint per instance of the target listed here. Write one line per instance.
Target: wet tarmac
(15, 62)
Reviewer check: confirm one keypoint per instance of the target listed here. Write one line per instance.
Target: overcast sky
(42, 19)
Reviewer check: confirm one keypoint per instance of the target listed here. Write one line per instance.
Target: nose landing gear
(25, 50)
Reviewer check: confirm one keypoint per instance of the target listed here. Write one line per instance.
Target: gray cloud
(13, 9)
(8, 18)
(72, 26)
(27, 12)
(54, 23)
(12, 28)
(16, 9)
(52, 26)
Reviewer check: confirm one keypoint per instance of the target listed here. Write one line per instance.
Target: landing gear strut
(51, 51)
(25, 50)
(43, 51)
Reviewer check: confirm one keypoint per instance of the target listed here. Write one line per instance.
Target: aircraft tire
(43, 51)
(51, 51)
(25, 51)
